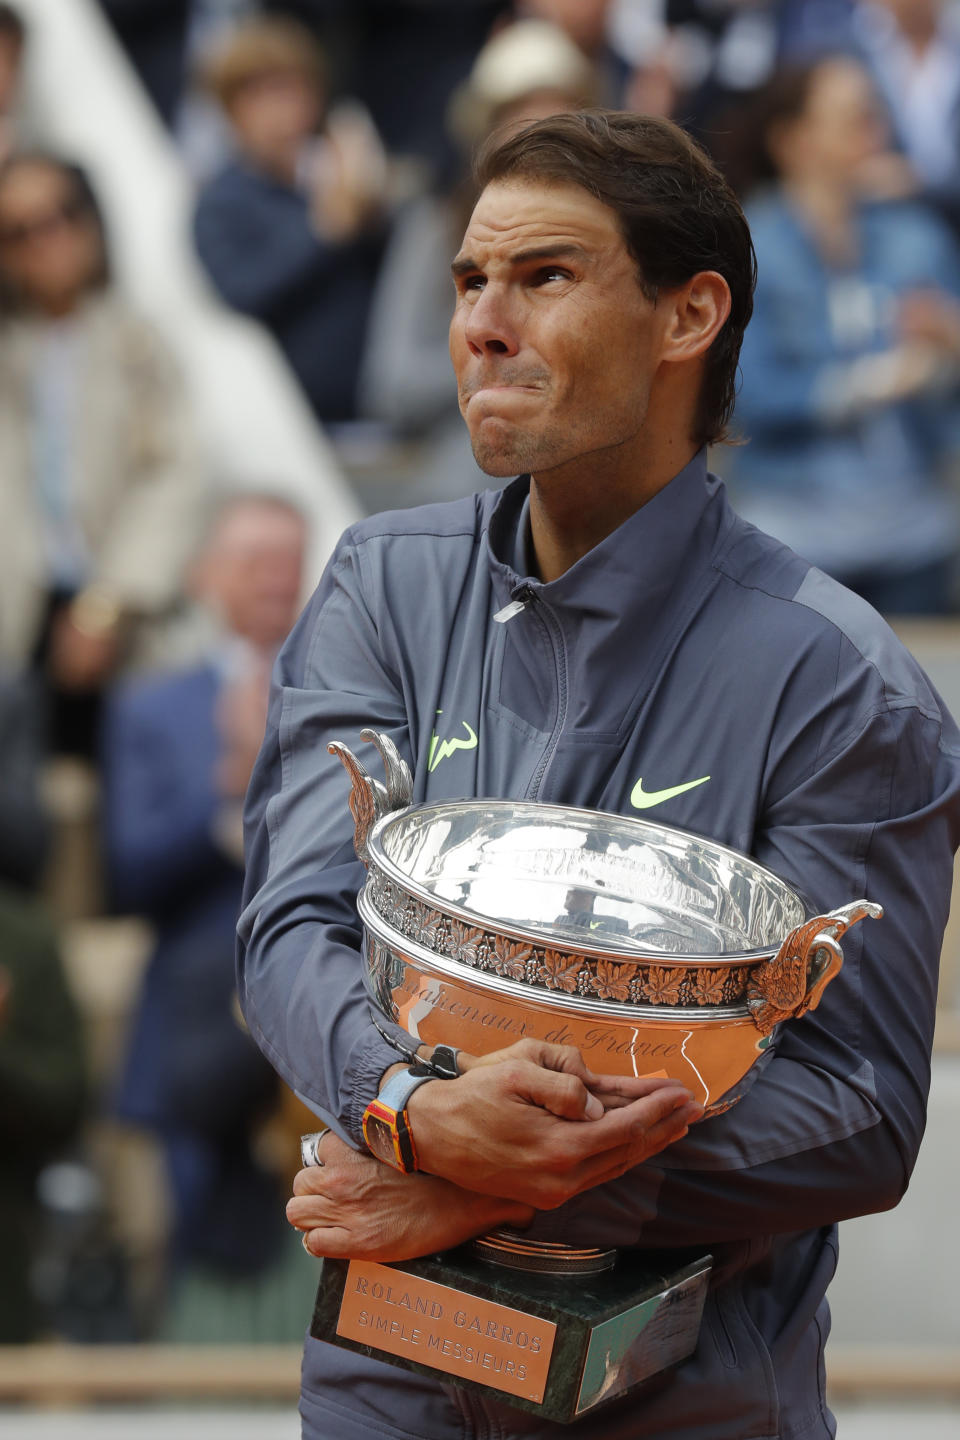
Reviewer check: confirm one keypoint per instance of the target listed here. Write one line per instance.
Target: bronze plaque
(456, 1333)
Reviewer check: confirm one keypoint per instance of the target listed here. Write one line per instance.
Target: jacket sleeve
(831, 1125)
(299, 972)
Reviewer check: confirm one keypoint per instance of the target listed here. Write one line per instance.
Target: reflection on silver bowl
(651, 950)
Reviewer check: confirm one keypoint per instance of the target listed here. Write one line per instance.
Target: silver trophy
(653, 952)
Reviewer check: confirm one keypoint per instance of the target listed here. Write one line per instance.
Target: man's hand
(612, 1091)
(535, 1134)
(355, 1207)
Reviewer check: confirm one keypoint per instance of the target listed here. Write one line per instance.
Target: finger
(328, 1242)
(310, 1181)
(563, 1094)
(611, 1164)
(630, 1123)
(563, 1058)
(304, 1212)
(617, 1090)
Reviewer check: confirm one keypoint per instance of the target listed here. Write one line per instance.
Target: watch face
(381, 1140)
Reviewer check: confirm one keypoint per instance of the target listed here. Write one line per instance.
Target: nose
(490, 327)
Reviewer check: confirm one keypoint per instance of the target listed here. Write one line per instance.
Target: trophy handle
(794, 980)
(370, 799)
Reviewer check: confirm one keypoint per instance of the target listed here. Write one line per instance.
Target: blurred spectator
(402, 59)
(698, 60)
(587, 23)
(528, 70)
(101, 497)
(41, 1096)
(912, 48)
(291, 231)
(12, 43)
(850, 364)
(178, 752)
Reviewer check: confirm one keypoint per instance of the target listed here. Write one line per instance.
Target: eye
(548, 273)
(468, 284)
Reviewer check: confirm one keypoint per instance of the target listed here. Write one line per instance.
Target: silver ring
(309, 1148)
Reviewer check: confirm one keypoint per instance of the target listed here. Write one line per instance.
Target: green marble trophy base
(555, 1344)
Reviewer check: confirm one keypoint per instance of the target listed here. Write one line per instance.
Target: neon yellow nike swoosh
(642, 799)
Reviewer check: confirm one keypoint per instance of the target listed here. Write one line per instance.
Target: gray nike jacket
(687, 646)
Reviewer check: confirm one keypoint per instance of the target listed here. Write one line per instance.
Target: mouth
(497, 391)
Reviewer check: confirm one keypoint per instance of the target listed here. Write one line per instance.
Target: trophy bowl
(654, 952)
(651, 950)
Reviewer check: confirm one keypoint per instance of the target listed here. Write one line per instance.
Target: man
(178, 751)
(604, 621)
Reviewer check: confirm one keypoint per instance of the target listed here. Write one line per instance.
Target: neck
(574, 507)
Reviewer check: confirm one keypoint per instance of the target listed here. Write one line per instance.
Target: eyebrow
(564, 251)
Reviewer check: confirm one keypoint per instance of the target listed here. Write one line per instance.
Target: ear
(699, 310)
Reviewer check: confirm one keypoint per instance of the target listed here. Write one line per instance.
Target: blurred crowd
(143, 599)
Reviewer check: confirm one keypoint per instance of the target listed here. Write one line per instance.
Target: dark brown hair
(677, 214)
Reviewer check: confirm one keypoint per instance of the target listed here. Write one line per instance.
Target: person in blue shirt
(851, 366)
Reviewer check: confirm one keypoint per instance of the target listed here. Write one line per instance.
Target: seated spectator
(291, 231)
(41, 1096)
(101, 497)
(527, 71)
(850, 366)
(178, 751)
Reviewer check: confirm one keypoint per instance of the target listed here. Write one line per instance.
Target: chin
(498, 467)
(500, 461)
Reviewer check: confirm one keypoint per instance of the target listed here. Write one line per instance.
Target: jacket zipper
(546, 619)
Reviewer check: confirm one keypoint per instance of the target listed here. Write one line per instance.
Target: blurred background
(225, 233)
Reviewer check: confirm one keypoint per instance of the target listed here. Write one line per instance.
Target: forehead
(513, 215)
(250, 525)
(840, 82)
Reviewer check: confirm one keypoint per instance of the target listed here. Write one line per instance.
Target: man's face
(554, 344)
(253, 570)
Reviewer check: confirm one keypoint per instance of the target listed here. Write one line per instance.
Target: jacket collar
(635, 567)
